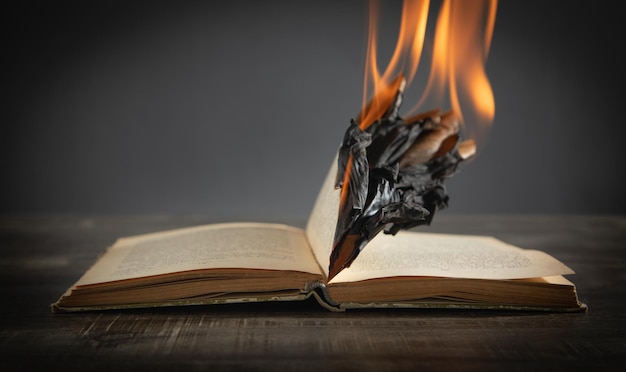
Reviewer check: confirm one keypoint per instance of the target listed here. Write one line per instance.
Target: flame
(411, 38)
(461, 42)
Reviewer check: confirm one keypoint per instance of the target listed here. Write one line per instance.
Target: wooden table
(42, 256)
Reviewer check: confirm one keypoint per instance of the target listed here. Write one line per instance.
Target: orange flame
(462, 39)
(411, 39)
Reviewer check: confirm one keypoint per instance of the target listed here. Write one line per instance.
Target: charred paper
(392, 175)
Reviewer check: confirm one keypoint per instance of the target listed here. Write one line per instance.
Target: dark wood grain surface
(42, 256)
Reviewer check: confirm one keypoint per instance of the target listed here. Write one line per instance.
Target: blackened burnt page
(230, 245)
(448, 255)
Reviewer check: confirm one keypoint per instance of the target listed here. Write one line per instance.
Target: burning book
(388, 175)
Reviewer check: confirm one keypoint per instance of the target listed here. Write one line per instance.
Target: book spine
(319, 291)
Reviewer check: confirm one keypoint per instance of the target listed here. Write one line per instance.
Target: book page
(447, 255)
(320, 229)
(228, 245)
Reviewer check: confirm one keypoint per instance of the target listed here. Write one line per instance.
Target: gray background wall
(235, 109)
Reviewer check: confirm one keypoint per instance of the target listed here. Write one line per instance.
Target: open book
(253, 262)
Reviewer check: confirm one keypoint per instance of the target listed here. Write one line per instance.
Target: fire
(461, 43)
(391, 168)
(409, 46)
